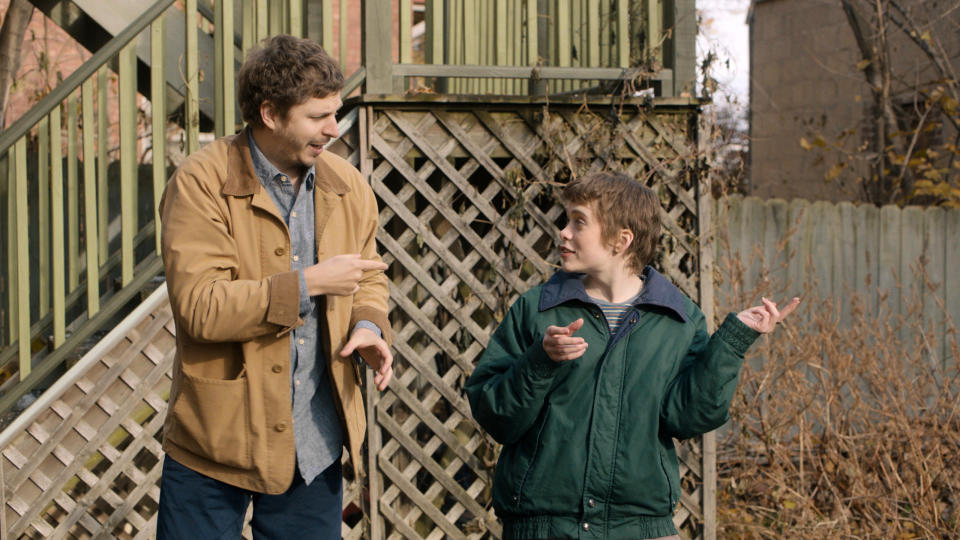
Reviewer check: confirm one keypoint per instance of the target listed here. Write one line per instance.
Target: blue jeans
(197, 507)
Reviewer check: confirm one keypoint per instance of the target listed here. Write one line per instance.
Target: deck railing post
(377, 52)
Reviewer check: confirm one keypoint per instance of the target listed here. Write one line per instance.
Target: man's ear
(269, 116)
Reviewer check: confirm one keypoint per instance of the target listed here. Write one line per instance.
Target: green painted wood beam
(224, 123)
(294, 17)
(158, 121)
(405, 22)
(91, 243)
(23, 257)
(377, 53)
(262, 19)
(276, 19)
(128, 155)
(56, 225)
(623, 33)
(12, 300)
(248, 27)
(434, 31)
(684, 47)
(192, 74)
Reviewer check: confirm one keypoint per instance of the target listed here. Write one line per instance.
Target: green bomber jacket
(588, 446)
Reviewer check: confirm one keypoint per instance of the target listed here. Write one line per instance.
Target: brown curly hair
(621, 202)
(285, 71)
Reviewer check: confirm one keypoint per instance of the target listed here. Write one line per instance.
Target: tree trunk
(11, 42)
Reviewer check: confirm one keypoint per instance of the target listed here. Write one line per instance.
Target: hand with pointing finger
(561, 345)
(765, 318)
(339, 275)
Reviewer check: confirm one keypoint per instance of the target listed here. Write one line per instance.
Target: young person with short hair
(274, 279)
(591, 375)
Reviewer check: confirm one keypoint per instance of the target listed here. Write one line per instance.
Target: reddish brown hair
(620, 202)
(285, 71)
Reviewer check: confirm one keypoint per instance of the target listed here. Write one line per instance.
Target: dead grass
(842, 430)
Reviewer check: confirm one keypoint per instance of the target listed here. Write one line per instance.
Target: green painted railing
(77, 249)
(579, 42)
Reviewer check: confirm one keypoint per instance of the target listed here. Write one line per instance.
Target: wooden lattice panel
(88, 465)
(469, 216)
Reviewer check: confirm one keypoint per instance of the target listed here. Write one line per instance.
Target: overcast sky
(724, 30)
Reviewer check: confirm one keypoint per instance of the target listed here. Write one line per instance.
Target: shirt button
(278, 252)
(282, 426)
(586, 526)
(293, 214)
(300, 342)
(296, 382)
(296, 258)
(277, 368)
(591, 503)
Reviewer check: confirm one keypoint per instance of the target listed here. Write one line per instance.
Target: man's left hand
(375, 352)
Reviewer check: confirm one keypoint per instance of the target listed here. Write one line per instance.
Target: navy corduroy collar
(657, 291)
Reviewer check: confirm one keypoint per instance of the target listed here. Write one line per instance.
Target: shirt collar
(657, 291)
(267, 171)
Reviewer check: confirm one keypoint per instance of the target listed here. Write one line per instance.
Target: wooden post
(705, 230)
(377, 54)
(159, 112)
(91, 244)
(684, 47)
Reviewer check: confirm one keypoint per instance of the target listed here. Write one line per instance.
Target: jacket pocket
(533, 456)
(672, 490)
(212, 419)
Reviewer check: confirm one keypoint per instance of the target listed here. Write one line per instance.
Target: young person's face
(299, 137)
(582, 247)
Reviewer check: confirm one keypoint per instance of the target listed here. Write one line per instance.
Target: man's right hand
(339, 275)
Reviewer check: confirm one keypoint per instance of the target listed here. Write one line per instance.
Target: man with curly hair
(278, 296)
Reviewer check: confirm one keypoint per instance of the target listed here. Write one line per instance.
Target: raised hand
(560, 343)
(374, 351)
(339, 275)
(765, 318)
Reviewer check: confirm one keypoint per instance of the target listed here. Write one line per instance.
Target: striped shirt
(615, 312)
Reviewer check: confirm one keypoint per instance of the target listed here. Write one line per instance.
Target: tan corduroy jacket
(226, 251)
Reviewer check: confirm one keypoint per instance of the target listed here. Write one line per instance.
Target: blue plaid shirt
(316, 425)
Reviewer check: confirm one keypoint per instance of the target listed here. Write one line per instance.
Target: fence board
(898, 258)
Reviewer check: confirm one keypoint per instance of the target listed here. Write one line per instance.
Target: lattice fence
(469, 216)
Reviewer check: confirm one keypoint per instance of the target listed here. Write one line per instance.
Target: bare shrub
(841, 430)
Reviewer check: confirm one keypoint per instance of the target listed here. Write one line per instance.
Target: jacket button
(595, 316)
(586, 526)
(514, 498)
(278, 251)
(282, 426)
(277, 368)
(591, 503)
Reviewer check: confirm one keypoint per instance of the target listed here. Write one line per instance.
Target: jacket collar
(657, 291)
(242, 179)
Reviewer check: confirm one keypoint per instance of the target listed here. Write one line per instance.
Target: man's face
(582, 247)
(299, 137)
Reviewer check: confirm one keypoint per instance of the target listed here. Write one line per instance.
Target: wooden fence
(898, 261)
(468, 214)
